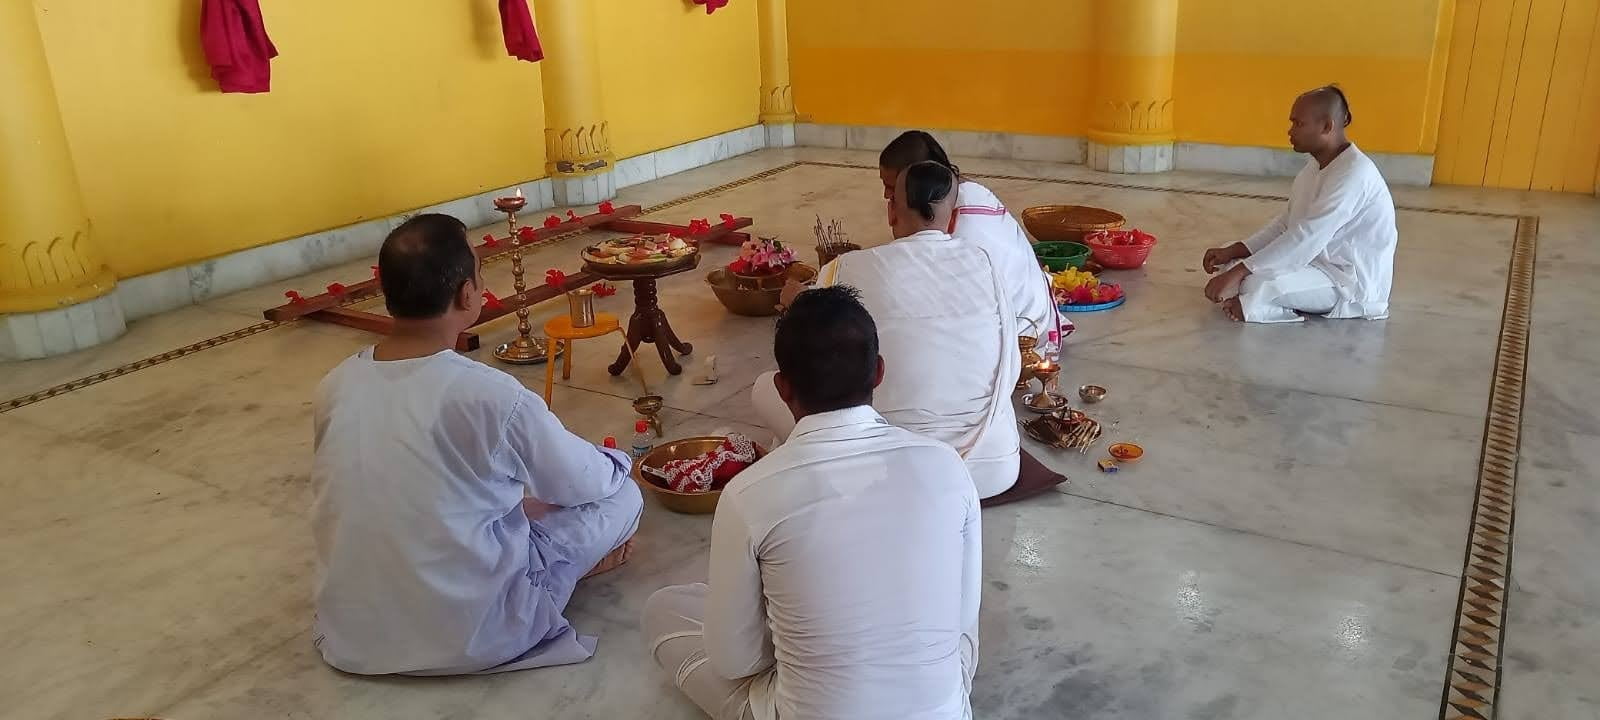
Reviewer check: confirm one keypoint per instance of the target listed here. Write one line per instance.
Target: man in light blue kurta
(454, 514)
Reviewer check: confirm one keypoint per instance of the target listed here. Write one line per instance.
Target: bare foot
(615, 559)
(1233, 310)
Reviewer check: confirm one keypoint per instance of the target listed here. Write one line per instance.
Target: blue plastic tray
(1094, 308)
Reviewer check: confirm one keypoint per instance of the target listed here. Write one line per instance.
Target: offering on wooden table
(1077, 287)
(1120, 249)
(708, 471)
(638, 250)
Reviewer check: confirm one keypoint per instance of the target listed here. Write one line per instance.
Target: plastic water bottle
(641, 440)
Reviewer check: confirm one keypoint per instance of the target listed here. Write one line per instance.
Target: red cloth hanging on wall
(236, 45)
(516, 23)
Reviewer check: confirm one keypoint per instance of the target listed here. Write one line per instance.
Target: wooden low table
(649, 324)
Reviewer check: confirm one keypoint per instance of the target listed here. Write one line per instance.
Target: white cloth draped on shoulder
(949, 342)
(981, 218)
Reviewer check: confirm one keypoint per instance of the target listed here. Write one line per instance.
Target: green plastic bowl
(1059, 255)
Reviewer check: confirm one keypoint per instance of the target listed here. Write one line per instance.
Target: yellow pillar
(576, 137)
(55, 287)
(1130, 116)
(47, 259)
(777, 104)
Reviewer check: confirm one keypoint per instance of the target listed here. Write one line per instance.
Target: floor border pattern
(1476, 643)
(1472, 686)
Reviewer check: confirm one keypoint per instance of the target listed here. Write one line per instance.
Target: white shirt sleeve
(1334, 205)
(738, 641)
(557, 466)
(1267, 234)
(971, 567)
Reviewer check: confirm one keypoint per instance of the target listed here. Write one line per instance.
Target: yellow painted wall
(1014, 66)
(1024, 65)
(1242, 62)
(671, 73)
(1522, 101)
(377, 106)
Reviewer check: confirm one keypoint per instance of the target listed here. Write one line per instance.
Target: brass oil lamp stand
(525, 349)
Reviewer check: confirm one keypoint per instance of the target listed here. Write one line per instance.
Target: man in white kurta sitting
(981, 218)
(430, 559)
(1331, 251)
(845, 566)
(948, 336)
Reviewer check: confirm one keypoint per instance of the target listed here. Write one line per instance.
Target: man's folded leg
(1033, 478)
(586, 534)
(674, 629)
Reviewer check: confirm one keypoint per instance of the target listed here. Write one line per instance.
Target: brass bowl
(751, 301)
(1092, 393)
(687, 448)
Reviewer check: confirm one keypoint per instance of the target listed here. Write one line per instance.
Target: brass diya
(686, 449)
(1046, 400)
(648, 406)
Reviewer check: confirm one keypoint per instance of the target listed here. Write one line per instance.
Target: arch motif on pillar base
(578, 150)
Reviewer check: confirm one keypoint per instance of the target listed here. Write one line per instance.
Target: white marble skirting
(1130, 159)
(158, 292)
(29, 336)
(1397, 168)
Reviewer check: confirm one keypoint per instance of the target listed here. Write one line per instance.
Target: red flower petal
(552, 221)
(527, 234)
(606, 208)
(294, 297)
(336, 288)
(572, 216)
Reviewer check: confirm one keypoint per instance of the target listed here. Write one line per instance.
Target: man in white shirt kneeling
(845, 565)
(1331, 252)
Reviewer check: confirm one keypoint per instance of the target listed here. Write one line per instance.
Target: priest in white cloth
(1331, 252)
(453, 513)
(846, 566)
(948, 336)
(981, 218)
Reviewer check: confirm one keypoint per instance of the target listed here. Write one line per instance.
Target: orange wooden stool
(560, 330)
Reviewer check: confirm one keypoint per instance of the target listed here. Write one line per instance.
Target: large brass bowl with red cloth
(686, 449)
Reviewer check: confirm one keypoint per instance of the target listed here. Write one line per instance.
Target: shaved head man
(1331, 251)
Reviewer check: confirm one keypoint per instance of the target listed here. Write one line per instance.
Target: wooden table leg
(566, 361)
(648, 324)
(550, 369)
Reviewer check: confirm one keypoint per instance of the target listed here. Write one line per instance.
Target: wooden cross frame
(331, 306)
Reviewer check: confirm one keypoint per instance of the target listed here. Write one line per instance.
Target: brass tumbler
(580, 308)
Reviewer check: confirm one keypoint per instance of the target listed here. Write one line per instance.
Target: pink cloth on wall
(516, 23)
(236, 45)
